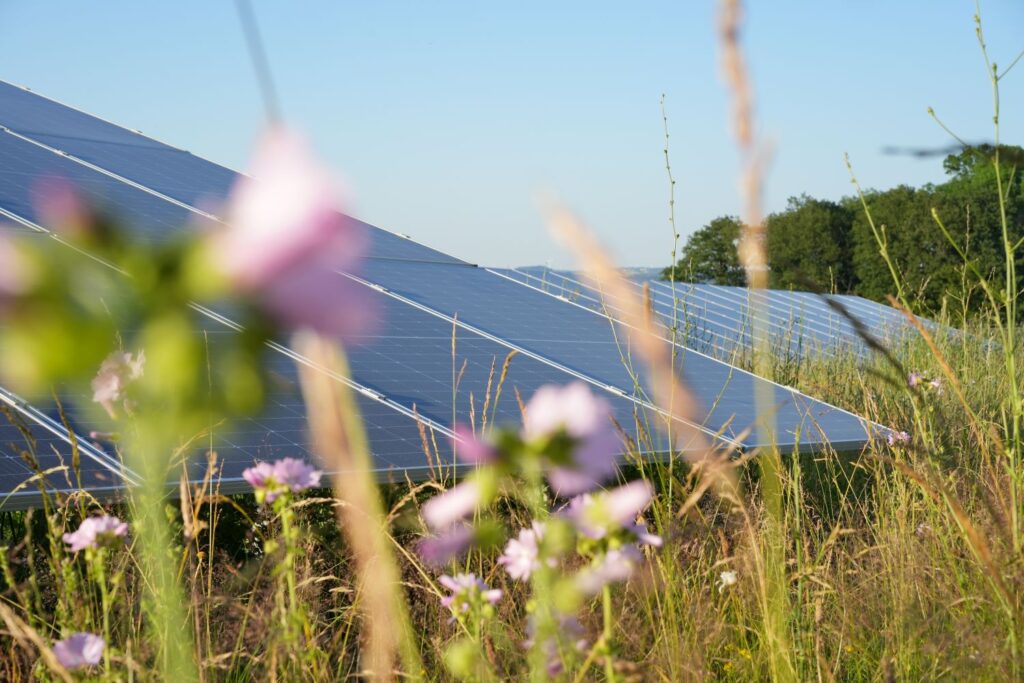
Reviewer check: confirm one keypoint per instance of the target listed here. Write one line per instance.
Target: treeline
(831, 246)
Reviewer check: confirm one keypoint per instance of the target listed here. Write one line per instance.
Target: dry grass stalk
(337, 437)
(646, 337)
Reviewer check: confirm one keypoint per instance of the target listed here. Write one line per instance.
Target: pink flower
(62, 208)
(935, 384)
(296, 475)
(288, 475)
(467, 592)
(470, 449)
(79, 650)
(643, 536)
(116, 372)
(522, 554)
(286, 238)
(914, 379)
(455, 504)
(95, 532)
(569, 630)
(437, 550)
(618, 564)
(897, 438)
(573, 410)
(595, 515)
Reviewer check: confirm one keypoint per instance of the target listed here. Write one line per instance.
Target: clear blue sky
(448, 118)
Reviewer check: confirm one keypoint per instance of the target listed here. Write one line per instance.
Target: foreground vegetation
(901, 561)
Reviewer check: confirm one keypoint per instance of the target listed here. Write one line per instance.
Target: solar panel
(585, 344)
(718, 319)
(159, 168)
(409, 376)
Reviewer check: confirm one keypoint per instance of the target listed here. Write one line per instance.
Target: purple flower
(95, 532)
(62, 208)
(616, 565)
(586, 419)
(467, 592)
(470, 449)
(594, 515)
(897, 438)
(115, 373)
(79, 650)
(438, 550)
(643, 536)
(522, 554)
(935, 384)
(454, 505)
(288, 475)
(914, 379)
(296, 475)
(286, 239)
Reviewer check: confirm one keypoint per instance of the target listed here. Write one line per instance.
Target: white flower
(726, 579)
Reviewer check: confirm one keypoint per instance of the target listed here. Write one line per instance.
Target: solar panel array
(719, 319)
(449, 327)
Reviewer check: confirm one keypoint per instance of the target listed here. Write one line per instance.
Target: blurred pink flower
(117, 371)
(897, 438)
(595, 515)
(288, 475)
(643, 536)
(286, 238)
(62, 208)
(296, 475)
(522, 554)
(437, 550)
(455, 504)
(618, 564)
(470, 449)
(914, 379)
(79, 650)
(467, 590)
(570, 631)
(586, 419)
(94, 532)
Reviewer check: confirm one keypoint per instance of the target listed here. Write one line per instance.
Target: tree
(810, 246)
(709, 255)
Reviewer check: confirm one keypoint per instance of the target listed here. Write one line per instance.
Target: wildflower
(468, 592)
(95, 532)
(296, 475)
(643, 536)
(618, 564)
(470, 449)
(286, 239)
(897, 438)
(455, 504)
(288, 475)
(437, 550)
(935, 385)
(522, 554)
(726, 579)
(575, 412)
(595, 515)
(914, 379)
(79, 650)
(115, 373)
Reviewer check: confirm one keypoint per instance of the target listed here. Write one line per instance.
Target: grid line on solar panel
(483, 302)
(729, 332)
(616, 390)
(814, 309)
(724, 316)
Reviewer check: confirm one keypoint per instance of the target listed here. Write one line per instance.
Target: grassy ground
(899, 563)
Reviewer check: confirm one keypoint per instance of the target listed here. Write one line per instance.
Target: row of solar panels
(407, 376)
(719, 319)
